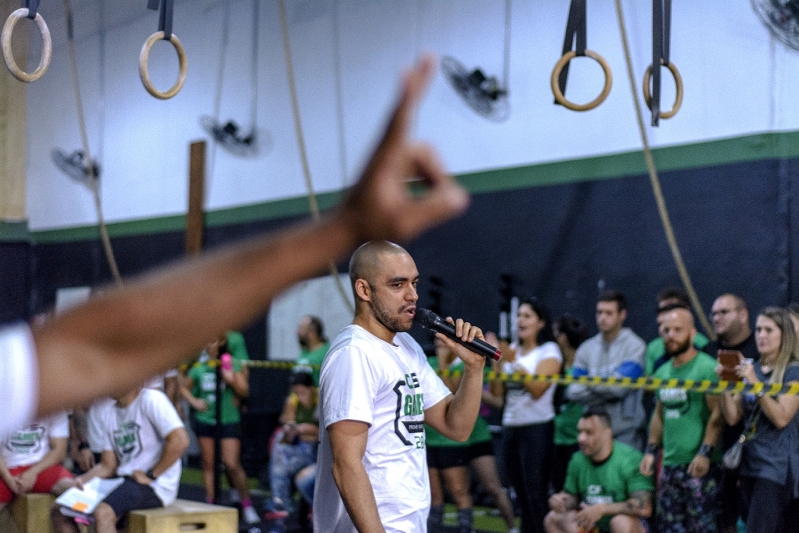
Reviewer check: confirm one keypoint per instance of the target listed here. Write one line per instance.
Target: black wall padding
(15, 281)
(735, 225)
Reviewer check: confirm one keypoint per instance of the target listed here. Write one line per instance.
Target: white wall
(737, 81)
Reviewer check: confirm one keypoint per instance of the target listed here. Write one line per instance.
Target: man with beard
(313, 344)
(686, 425)
(377, 391)
(604, 488)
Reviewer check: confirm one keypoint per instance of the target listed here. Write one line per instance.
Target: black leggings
(527, 460)
(767, 506)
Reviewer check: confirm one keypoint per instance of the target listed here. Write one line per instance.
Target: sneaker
(275, 510)
(250, 516)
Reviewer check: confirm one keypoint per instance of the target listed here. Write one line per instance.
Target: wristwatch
(150, 474)
(705, 450)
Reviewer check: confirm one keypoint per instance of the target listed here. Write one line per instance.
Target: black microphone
(430, 320)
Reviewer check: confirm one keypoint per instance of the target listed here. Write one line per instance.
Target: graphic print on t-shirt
(596, 494)
(127, 441)
(409, 404)
(28, 440)
(676, 402)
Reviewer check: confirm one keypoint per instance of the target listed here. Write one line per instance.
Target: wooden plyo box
(31, 513)
(185, 515)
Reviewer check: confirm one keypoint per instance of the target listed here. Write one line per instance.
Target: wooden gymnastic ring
(47, 46)
(678, 85)
(561, 99)
(144, 56)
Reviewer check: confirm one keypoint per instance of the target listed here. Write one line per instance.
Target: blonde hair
(787, 352)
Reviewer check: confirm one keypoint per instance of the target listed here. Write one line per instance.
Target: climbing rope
(656, 189)
(312, 202)
(92, 181)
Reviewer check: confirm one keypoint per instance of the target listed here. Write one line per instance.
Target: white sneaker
(250, 516)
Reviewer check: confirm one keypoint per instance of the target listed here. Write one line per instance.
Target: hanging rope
(656, 189)
(92, 181)
(506, 49)
(295, 108)
(342, 142)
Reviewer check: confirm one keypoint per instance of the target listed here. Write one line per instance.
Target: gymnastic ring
(677, 82)
(144, 56)
(561, 99)
(47, 46)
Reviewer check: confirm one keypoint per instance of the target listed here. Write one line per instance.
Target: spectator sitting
(30, 459)
(144, 440)
(604, 488)
(293, 454)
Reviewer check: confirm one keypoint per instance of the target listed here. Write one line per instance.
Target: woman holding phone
(769, 470)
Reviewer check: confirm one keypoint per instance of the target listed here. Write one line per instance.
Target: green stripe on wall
(725, 151)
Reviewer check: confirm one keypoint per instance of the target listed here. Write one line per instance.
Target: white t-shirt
(95, 423)
(19, 377)
(136, 434)
(387, 386)
(520, 407)
(28, 445)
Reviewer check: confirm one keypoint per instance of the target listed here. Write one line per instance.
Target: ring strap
(576, 33)
(32, 6)
(661, 42)
(164, 16)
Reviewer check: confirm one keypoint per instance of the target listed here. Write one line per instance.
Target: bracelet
(652, 448)
(705, 450)
(83, 445)
(150, 474)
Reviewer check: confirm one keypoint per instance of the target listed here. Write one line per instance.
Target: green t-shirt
(236, 346)
(566, 420)
(685, 414)
(313, 359)
(656, 349)
(203, 378)
(480, 433)
(613, 481)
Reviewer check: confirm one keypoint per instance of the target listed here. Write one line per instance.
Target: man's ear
(363, 290)
(623, 314)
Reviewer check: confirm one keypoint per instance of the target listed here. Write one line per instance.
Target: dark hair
(318, 327)
(540, 309)
(672, 306)
(599, 413)
(612, 295)
(301, 377)
(672, 293)
(574, 329)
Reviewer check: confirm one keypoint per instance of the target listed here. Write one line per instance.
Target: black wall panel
(735, 225)
(15, 283)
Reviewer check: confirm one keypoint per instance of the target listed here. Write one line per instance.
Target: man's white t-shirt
(19, 377)
(136, 434)
(520, 407)
(387, 386)
(28, 445)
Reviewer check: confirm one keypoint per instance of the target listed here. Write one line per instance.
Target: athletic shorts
(479, 449)
(130, 496)
(44, 482)
(443, 457)
(229, 431)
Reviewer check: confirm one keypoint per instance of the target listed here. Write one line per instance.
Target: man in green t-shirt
(313, 344)
(686, 425)
(604, 490)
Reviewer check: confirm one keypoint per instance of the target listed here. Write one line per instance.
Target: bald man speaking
(377, 392)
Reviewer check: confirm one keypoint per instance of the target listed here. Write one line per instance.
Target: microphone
(430, 320)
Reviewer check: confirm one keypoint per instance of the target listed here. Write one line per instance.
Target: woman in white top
(527, 427)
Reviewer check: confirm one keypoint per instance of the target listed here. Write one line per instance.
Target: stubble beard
(681, 349)
(382, 315)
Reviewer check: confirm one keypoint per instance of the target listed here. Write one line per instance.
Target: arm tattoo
(637, 501)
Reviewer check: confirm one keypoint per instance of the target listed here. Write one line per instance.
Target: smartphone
(729, 359)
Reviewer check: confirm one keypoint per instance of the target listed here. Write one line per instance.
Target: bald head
(365, 262)
(677, 331)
